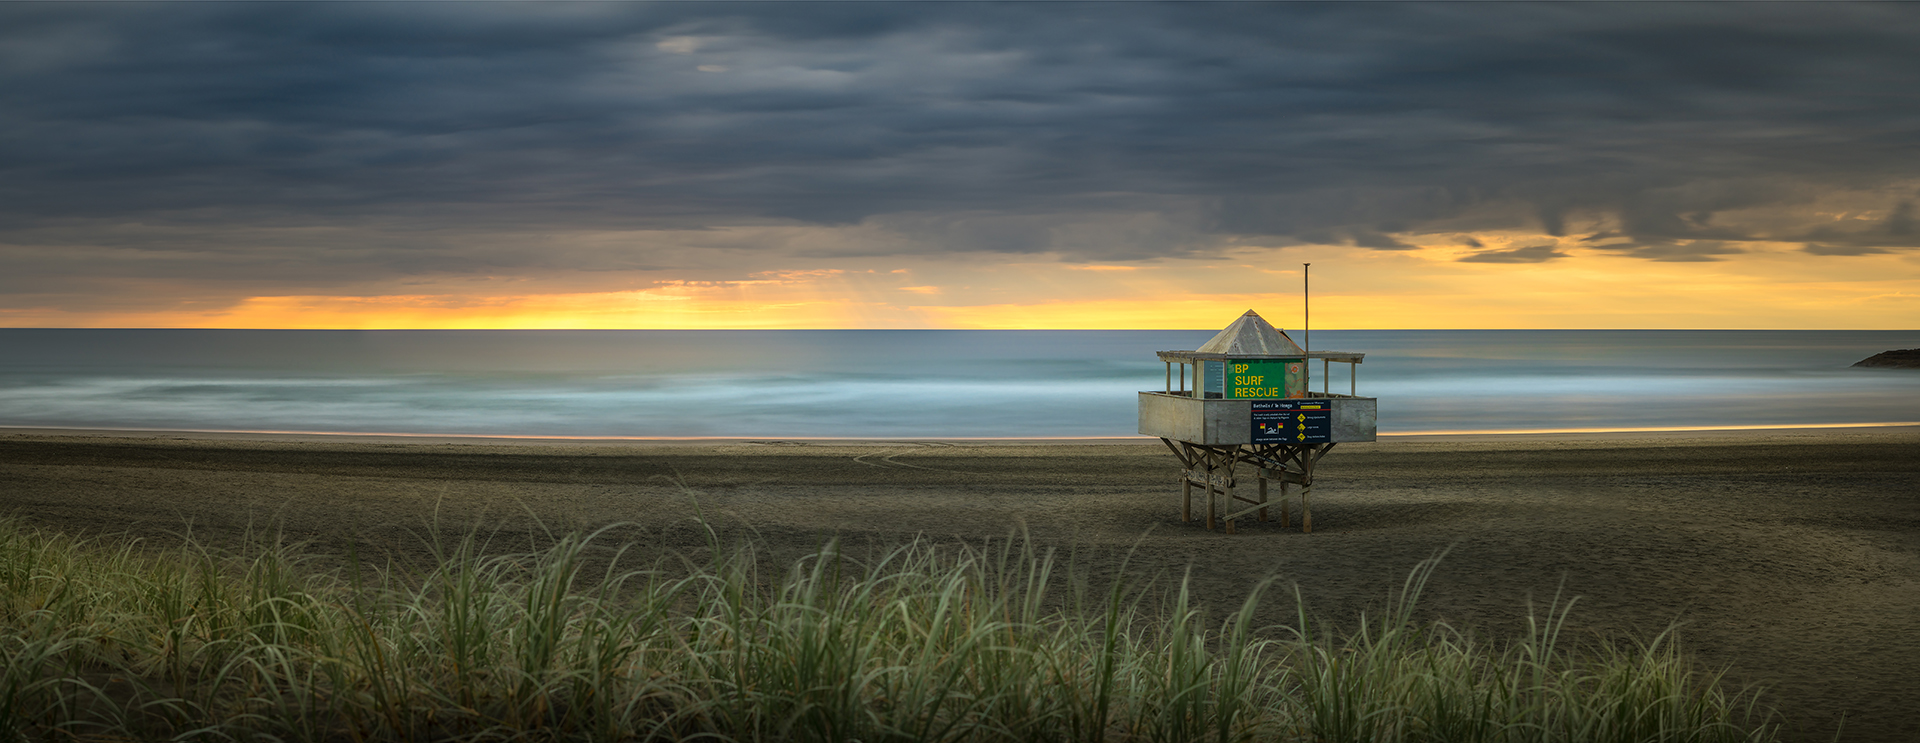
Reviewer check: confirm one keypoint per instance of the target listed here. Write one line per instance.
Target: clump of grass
(104, 641)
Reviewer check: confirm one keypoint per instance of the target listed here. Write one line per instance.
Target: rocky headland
(1900, 359)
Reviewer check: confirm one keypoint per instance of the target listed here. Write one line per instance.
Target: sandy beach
(1790, 558)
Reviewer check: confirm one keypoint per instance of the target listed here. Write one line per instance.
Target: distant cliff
(1903, 359)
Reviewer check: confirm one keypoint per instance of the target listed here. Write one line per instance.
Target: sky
(959, 165)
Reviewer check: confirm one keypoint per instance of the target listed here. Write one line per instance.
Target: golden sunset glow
(686, 309)
(1769, 287)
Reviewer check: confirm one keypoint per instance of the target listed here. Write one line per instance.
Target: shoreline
(1609, 434)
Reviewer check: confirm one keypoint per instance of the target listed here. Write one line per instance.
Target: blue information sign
(1292, 421)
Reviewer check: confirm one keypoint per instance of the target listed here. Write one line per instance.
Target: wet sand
(1790, 558)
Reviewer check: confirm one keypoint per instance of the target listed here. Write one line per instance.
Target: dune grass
(104, 641)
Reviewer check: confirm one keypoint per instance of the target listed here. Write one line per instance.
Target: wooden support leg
(1285, 522)
(1227, 504)
(1263, 498)
(1210, 488)
(1214, 492)
(1211, 491)
(1227, 501)
(1306, 509)
(1186, 500)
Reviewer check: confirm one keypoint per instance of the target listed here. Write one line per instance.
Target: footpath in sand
(1790, 558)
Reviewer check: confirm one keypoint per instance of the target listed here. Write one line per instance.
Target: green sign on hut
(1250, 410)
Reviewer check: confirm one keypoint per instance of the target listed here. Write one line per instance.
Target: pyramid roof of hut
(1249, 335)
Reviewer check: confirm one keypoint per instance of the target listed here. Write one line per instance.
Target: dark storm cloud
(1528, 254)
(1692, 251)
(410, 129)
(1818, 249)
(1896, 231)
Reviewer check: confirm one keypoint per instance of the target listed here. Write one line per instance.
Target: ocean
(910, 384)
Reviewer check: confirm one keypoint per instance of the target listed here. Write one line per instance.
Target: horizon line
(1135, 438)
(705, 330)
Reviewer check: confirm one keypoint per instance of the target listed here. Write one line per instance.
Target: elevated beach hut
(1242, 407)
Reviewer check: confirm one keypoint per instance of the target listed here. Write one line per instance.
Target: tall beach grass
(102, 640)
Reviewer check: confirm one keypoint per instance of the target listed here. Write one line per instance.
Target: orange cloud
(1769, 286)
(674, 307)
(1144, 313)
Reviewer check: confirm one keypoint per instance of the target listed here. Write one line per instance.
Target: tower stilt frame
(1219, 469)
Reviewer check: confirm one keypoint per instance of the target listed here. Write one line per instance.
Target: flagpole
(1306, 302)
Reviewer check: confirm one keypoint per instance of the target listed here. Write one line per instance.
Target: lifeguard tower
(1251, 414)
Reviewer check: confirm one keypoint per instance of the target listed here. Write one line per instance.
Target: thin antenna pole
(1306, 302)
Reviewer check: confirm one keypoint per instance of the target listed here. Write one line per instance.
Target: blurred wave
(909, 383)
